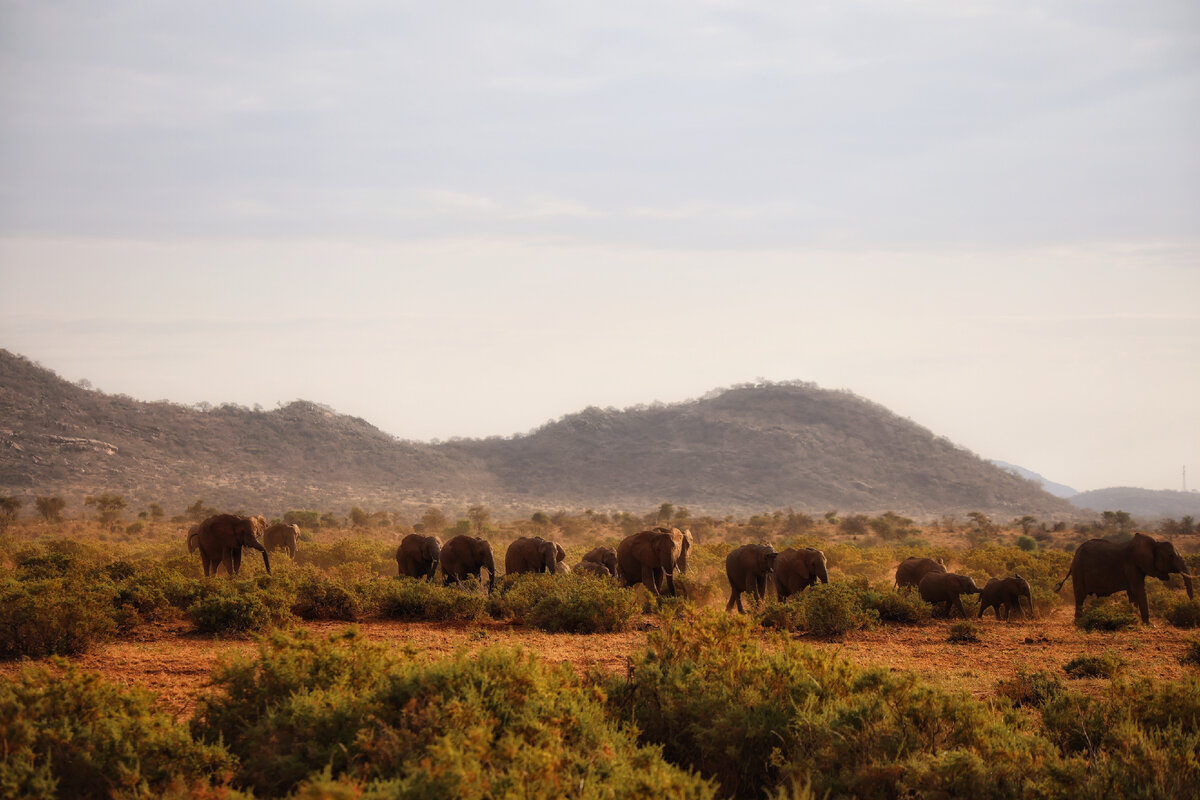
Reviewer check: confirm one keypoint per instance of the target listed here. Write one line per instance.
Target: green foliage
(895, 606)
(344, 716)
(240, 606)
(75, 735)
(1182, 612)
(1105, 665)
(787, 615)
(566, 603)
(409, 598)
(353, 558)
(108, 507)
(318, 597)
(831, 609)
(1104, 615)
(1033, 689)
(51, 508)
(309, 520)
(890, 526)
(1026, 543)
(963, 633)
(1191, 654)
(53, 616)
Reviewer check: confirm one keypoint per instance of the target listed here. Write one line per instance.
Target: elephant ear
(1143, 554)
(560, 551)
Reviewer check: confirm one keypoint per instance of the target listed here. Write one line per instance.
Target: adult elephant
(606, 557)
(913, 568)
(532, 554)
(1004, 595)
(1101, 567)
(465, 556)
(796, 569)
(647, 557)
(220, 540)
(944, 588)
(747, 568)
(282, 536)
(417, 556)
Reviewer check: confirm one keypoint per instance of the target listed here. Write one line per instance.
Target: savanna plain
(127, 673)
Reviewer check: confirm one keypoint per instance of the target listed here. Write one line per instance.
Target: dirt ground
(176, 664)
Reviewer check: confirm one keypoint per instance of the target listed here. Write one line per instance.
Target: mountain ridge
(745, 449)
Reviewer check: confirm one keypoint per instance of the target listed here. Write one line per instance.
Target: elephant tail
(1064, 580)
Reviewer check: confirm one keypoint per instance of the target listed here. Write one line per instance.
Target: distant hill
(740, 450)
(1056, 489)
(1142, 504)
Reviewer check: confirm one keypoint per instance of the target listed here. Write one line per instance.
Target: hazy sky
(466, 219)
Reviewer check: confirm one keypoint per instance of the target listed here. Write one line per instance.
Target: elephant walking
(1101, 567)
(747, 568)
(220, 540)
(1004, 594)
(944, 588)
(282, 536)
(797, 569)
(533, 554)
(913, 568)
(465, 556)
(650, 556)
(417, 556)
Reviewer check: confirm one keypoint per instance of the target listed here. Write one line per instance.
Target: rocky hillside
(740, 450)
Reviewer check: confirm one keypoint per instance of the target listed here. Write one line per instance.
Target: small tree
(156, 512)
(479, 517)
(1026, 523)
(359, 518)
(665, 513)
(434, 520)
(540, 518)
(8, 510)
(51, 508)
(108, 507)
(854, 525)
(197, 511)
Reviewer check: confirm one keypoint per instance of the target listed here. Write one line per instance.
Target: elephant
(945, 587)
(606, 557)
(220, 540)
(1004, 594)
(593, 568)
(747, 568)
(282, 536)
(912, 569)
(417, 556)
(1101, 567)
(532, 554)
(562, 568)
(797, 569)
(467, 555)
(647, 557)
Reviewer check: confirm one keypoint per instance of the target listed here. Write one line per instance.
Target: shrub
(566, 603)
(1027, 543)
(1191, 655)
(318, 597)
(1031, 688)
(53, 616)
(963, 633)
(343, 716)
(1106, 616)
(238, 607)
(409, 598)
(894, 606)
(831, 609)
(75, 735)
(1183, 612)
(1105, 665)
(787, 615)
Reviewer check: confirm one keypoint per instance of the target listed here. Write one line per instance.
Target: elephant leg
(761, 587)
(958, 606)
(734, 597)
(237, 560)
(651, 578)
(227, 560)
(981, 609)
(1138, 594)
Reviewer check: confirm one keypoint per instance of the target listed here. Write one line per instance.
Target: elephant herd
(653, 556)
(650, 557)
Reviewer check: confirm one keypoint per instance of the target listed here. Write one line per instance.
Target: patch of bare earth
(176, 664)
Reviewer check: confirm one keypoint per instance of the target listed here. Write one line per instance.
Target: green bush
(785, 616)
(341, 717)
(1105, 665)
(53, 616)
(1183, 612)
(239, 606)
(409, 598)
(831, 609)
(565, 603)
(894, 606)
(1106, 616)
(1031, 688)
(318, 597)
(75, 735)
(1191, 654)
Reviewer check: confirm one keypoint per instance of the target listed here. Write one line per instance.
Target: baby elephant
(1004, 594)
(944, 588)
(747, 568)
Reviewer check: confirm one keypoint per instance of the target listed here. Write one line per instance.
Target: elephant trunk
(1187, 584)
(266, 559)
